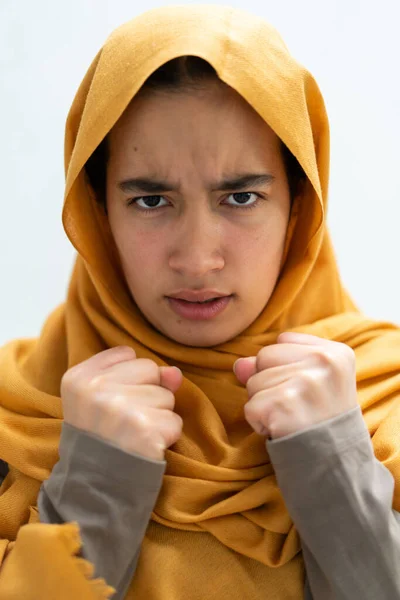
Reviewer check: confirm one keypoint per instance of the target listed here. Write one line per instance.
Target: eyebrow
(157, 186)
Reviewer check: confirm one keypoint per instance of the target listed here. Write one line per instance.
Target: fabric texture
(219, 478)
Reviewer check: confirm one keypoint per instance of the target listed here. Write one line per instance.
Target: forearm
(110, 493)
(340, 499)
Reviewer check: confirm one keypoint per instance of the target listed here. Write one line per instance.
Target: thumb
(244, 368)
(171, 378)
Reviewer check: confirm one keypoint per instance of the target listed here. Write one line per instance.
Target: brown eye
(242, 198)
(149, 202)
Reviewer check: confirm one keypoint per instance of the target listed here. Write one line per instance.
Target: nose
(196, 248)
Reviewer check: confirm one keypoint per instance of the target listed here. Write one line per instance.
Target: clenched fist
(298, 382)
(126, 400)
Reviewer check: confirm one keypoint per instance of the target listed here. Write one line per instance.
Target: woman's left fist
(300, 381)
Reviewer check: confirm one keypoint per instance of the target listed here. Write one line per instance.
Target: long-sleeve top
(336, 491)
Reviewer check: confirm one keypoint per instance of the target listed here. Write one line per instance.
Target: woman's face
(191, 231)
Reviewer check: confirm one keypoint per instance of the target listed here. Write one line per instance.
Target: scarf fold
(219, 493)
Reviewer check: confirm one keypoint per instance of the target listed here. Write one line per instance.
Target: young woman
(141, 459)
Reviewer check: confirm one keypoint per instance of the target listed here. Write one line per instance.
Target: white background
(351, 47)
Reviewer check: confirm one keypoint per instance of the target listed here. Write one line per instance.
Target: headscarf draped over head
(219, 492)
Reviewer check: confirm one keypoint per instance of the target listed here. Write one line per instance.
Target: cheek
(258, 250)
(141, 252)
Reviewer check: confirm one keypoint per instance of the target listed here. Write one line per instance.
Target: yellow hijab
(220, 522)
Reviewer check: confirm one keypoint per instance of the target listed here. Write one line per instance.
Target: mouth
(203, 295)
(200, 301)
(199, 309)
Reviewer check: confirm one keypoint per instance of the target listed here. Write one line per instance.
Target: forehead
(212, 127)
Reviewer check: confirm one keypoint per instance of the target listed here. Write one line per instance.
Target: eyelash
(132, 201)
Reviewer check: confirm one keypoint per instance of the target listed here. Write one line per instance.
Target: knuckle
(116, 351)
(111, 405)
(127, 349)
(307, 379)
(71, 381)
(335, 363)
(95, 382)
(251, 386)
(65, 382)
(324, 358)
(329, 364)
(251, 412)
(169, 398)
(349, 355)
(145, 369)
(273, 429)
(262, 356)
(147, 363)
(289, 393)
(248, 410)
(175, 430)
(139, 421)
(178, 421)
(71, 374)
(152, 395)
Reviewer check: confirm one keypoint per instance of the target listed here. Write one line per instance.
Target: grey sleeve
(110, 493)
(340, 497)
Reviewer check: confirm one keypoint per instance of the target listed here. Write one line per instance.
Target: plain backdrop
(351, 47)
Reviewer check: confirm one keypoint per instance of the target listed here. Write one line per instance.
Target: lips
(196, 301)
(197, 295)
(199, 311)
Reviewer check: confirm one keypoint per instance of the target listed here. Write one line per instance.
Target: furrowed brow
(243, 181)
(153, 185)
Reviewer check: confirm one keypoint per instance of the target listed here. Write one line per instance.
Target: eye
(149, 203)
(242, 198)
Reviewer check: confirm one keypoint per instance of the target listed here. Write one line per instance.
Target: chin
(198, 339)
(200, 334)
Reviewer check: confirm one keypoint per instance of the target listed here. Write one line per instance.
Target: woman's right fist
(126, 400)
